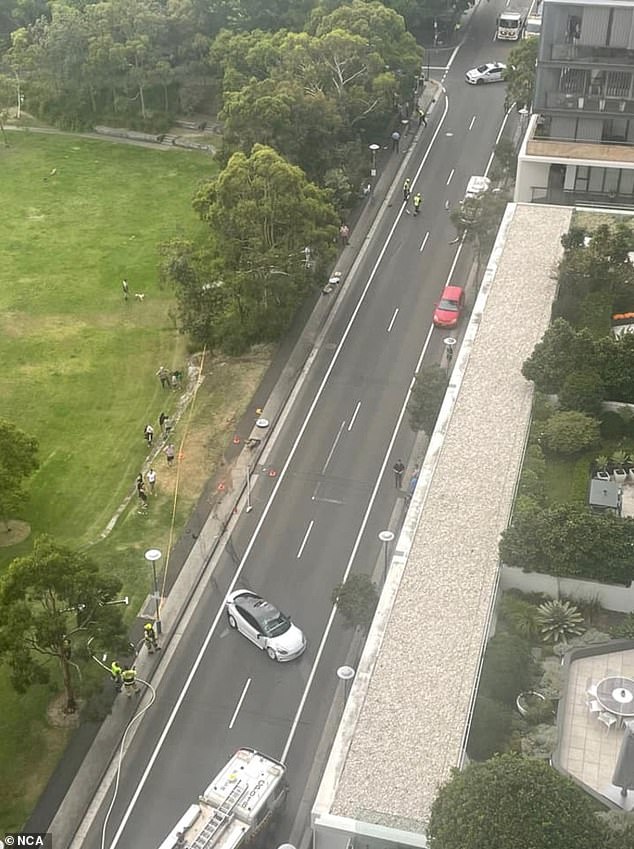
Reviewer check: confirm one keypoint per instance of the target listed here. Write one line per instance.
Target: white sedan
(491, 72)
(262, 623)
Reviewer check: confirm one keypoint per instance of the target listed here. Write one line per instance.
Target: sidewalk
(69, 795)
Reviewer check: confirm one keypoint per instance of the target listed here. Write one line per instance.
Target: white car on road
(262, 623)
(490, 72)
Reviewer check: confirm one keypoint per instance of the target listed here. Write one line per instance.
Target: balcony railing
(542, 133)
(586, 54)
(587, 104)
(541, 194)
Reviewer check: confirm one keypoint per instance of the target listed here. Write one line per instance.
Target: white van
(532, 27)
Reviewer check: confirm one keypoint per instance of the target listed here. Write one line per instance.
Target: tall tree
(263, 213)
(520, 73)
(18, 460)
(427, 397)
(51, 602)
(512, 801)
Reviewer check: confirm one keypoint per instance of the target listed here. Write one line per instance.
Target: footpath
(71, 797)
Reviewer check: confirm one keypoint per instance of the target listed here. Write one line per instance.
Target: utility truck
(237, 809)
(510, 26)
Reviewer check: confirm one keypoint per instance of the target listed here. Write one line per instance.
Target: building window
(572, 81)
(627, 182)
(595, 183)
(614, 130)
(581, 178)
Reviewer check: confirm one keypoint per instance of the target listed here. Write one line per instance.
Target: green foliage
(624, 629)
(427, 397)
(520, 72)
(244, 283)
(18, 460)
(570, 540)
(559, 620)
(520, 616)
(478, 220)
(540, 741)
(356, 601)
(583, 391)
(52, 596)
(562, 351)
(504, 160)
(513, 801)
(491, 729)
(508, 668)
(570, 432)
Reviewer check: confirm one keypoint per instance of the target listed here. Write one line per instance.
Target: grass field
(79, 373)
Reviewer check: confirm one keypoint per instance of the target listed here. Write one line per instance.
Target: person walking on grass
(170, 453)
(126, 290)
(148, 433)
(162, 419)
(164, 376)
(139, 482)
(151, 479)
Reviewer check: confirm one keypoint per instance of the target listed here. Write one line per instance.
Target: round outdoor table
(616, 695)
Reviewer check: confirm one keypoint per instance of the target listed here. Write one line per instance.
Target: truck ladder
(204, 839)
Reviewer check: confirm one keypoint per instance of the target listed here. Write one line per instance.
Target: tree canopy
(245, 281)
(51, 602)
(18, 460)
(513, 801)
(427, 397)
(356, 601)
(520, 73)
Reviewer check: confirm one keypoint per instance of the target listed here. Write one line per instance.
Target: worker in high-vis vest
(149, 638)
(129, 681)
(116, 672)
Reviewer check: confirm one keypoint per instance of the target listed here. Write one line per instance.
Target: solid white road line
(354, 415)
(424, 242)
(305, 540)
(450, 177)
(239, 705)
(473, 120)
(265, 512)
(391, 324)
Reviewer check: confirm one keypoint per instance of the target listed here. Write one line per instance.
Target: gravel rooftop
(407, 715)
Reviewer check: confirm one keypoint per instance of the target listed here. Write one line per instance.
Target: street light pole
(345, 674)
(449, 342)
(386, 538)
(152, 555)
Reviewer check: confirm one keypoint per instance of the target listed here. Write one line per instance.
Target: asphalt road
(334, 493)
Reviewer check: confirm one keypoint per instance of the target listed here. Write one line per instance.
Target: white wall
(620, 599)
(529, 174)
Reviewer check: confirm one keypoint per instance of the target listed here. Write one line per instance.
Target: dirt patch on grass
(56, 715)
(208, 426)
(16, 532)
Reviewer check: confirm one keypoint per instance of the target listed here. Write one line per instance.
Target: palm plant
(619, 458)
(558, 620)
(520, 616)
(602, 465)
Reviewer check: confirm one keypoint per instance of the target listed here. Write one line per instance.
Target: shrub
(583, 391)
(508, 669)
(624, 629)
(570, 432)
(615, 426)
(540, 742)
(491, 729)
(519, 615)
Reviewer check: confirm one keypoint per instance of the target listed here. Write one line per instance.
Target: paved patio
(588, 751)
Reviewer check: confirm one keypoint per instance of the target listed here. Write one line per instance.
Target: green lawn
(78, 363)
(78, 372)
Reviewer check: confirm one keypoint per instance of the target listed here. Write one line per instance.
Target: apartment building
(579, 145)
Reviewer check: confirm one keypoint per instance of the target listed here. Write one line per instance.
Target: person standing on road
(422, 118)
(398, 470)
(344, 234)
(406, 190)
(396, 137)
(417, 202)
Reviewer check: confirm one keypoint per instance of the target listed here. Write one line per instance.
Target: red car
(449, 307)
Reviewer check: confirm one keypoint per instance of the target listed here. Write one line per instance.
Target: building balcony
(585, 55)
(585, 104)
(559, 149)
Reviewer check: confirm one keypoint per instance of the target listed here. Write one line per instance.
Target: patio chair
(591, 691)
(593, 706)
(607, 719)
